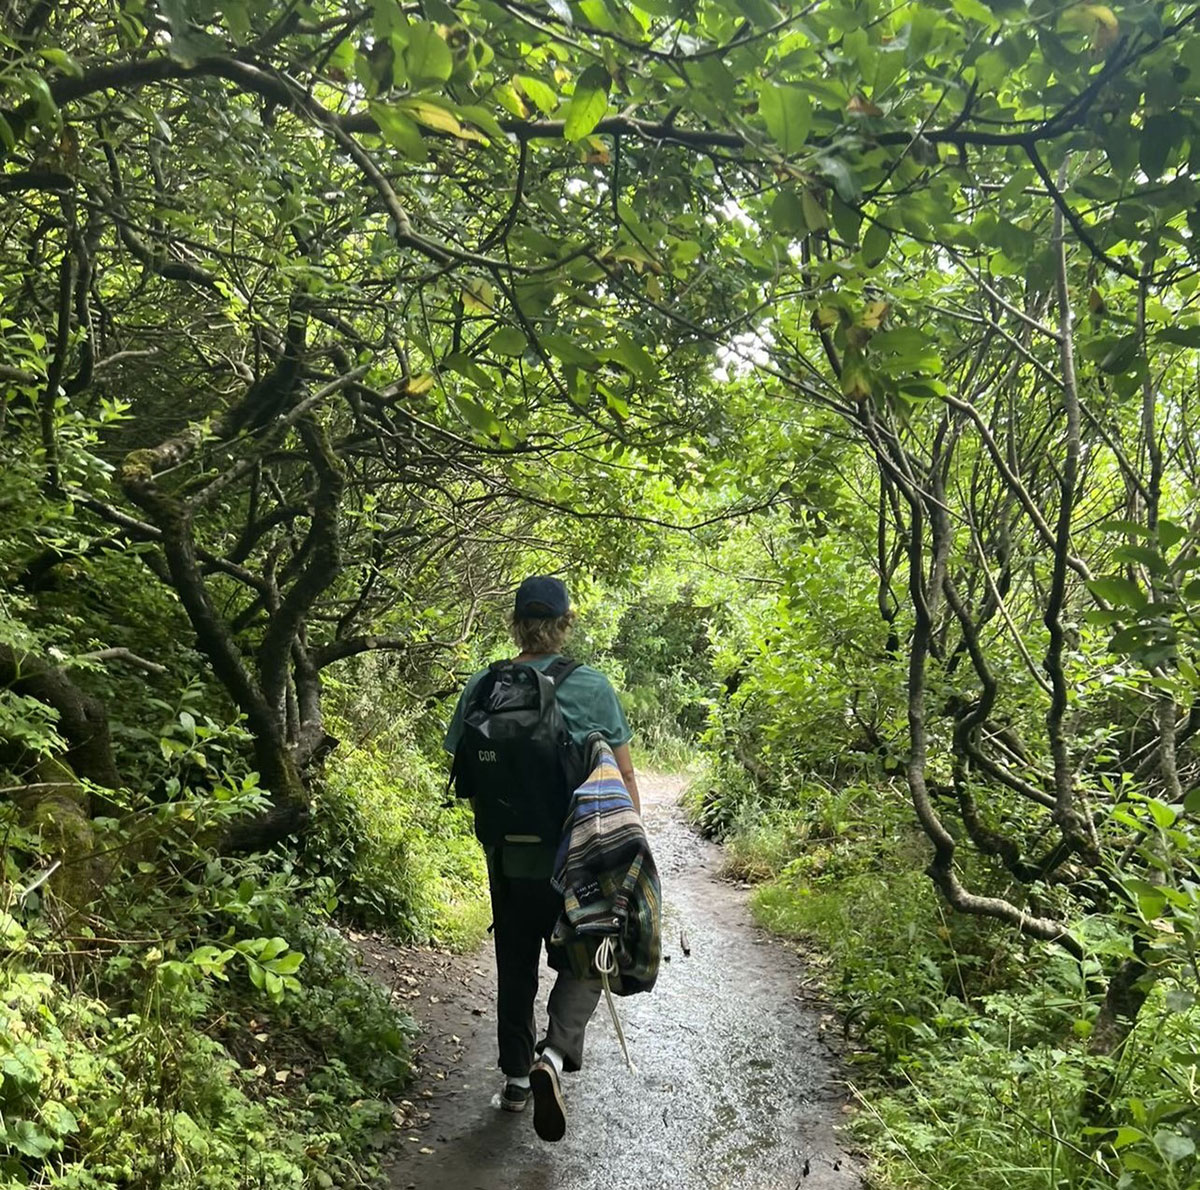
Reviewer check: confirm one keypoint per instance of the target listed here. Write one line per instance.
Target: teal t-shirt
(588, 703)
(586, 699)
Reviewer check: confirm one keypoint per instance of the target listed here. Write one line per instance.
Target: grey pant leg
(572, 1002)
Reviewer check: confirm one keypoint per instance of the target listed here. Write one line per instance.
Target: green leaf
(760, 12)
(58, 1118)
(814, 212)
(238, 20)
(12, 933)
(1191, 803)
(427, 58)
(847, 220)
(182, 46)
(633, 358)
(63, 61)
(538, 93)
(975, 10)
(28, 1139)
(399, 131)
(465, 366)
(1121, 592)
(1149, 897)
(838, 172)
(40, 93)
(1174, 1146)
(588, 104)
(875, 245)
(1161, 135)
(787, 213)
(1180, 336)
(1180, 999)
(1140, 555)
(787, 113)
(1122, 355)
(477, 417)
(271, 948)
(1127, 1136)
(1129, 528)
(508, 340)
(288, 964)
(1169, 533)
(565, 349)
(482, 117)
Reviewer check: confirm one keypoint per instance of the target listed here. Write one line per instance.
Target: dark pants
(524, 912)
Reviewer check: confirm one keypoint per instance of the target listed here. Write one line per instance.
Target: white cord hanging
(606, 965)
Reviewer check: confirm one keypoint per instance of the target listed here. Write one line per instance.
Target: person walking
(525, 905)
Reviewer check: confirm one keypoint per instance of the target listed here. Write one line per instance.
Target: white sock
(554, 1058)
(521, 1080)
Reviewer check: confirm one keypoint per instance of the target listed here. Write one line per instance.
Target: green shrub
(202, 1025)
(971, 1050)
(400, 857)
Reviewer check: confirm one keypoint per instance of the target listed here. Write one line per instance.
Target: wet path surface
(734, 1089)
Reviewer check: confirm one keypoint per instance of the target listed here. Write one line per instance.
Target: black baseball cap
(542, 597)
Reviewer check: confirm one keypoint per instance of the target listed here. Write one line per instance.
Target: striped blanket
(608, 881)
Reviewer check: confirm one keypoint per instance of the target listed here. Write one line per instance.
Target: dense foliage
(841, 355)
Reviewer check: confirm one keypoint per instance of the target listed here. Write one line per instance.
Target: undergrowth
(185, 1019)
(968, 1050)
(398, 847)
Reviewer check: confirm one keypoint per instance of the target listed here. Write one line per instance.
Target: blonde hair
(542, 634)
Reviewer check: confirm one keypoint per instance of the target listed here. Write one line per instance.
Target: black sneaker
(549, 1111)
(513, 1097)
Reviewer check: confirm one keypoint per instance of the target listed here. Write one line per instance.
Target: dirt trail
(734, 1089)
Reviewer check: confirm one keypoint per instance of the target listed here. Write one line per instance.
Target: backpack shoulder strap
(559, 671)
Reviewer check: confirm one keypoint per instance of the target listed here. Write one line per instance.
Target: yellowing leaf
(856, 380)
(418, 384)
(478, 297)
(1098, 21)
(1107, 28)
(860, 106)
(432, 116)
(874, 315)
(513, 103)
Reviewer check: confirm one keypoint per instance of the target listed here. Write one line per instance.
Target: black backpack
(516, 757)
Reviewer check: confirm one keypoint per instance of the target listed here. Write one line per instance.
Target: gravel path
(734, 1089)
